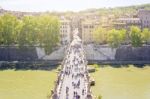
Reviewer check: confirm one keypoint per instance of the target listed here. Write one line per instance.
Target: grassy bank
(122, 83)
(111, 83)
(26, 84)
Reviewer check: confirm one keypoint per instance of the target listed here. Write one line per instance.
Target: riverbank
(111, 83)
(122, 83)
(29, 84)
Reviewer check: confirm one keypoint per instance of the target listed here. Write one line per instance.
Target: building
(76, 23)
(126, 23)
(2, 11)
(144, 16)
(106, 21)
(87, 30)
(65, 31)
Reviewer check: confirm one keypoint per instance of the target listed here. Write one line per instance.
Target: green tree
(100, 35)
(49, 32)
(146, 35)
(8, 29)
(1, 31)
(116, 37)
(29, 31)
(99, 97)
(135, 36)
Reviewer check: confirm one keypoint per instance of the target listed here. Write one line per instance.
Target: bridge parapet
(73, 79)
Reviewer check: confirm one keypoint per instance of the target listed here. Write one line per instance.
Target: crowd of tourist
(72, 81)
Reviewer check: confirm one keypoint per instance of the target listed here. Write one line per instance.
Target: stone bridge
(73, 79)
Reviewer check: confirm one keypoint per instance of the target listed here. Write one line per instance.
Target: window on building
(91, 26)
(86, 26)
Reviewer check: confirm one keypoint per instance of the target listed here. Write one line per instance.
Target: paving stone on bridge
(73, 82)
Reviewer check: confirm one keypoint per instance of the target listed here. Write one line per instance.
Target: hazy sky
(65, 5)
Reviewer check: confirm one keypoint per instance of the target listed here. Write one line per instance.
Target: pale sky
(64, 5)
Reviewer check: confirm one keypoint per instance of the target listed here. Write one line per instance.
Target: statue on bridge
(73, 79)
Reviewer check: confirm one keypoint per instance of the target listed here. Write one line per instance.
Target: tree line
(134, 36)
(29, 31)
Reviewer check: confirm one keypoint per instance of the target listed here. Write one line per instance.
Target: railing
(60, 80)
